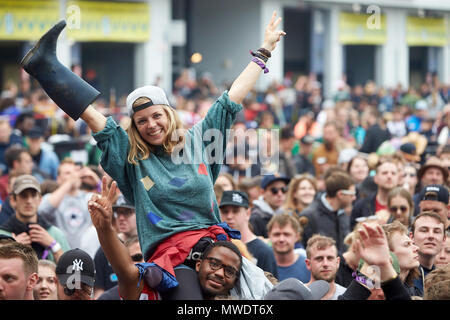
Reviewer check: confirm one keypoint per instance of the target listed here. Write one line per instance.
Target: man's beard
(329, 279)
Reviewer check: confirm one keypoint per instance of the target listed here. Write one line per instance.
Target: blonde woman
(170, 186)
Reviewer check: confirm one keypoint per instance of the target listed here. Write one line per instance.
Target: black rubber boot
(71, 93)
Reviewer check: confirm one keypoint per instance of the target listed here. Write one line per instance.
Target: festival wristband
(261, 64)
(366, 282)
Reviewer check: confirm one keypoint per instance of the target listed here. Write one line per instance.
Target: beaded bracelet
(259, 55)
(261, 64)
(265, 52)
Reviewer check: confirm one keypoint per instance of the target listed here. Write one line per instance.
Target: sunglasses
(216, 264)
(348, 192)
(137, 257)
(395, 209)
(369, 218)
(275, 190)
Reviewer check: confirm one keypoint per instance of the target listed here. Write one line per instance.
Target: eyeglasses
(123, 212)
(348, 192)
(216, 264)
(401, 208)
(275, 190)
(369, 218)
(137, 257)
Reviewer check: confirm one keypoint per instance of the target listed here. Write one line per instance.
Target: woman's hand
(272, 35)
(373, 245)
(100, 208)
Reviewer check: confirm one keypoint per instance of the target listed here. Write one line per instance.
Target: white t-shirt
(339, 291)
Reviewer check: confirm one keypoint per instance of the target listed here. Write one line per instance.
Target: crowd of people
(352, 205)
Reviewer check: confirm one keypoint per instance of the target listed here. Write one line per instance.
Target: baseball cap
(122, 202)
(35, 133)
(234, 198)
(346, 155)
(434, 192)
(155, 94)
(26, 181)
(409, 152)
(72, 262)
(294, 289)
(307, 139)
(421, 105)
(268, 179)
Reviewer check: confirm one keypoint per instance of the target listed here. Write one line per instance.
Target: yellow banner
(426, 31)
(108, 21)
(368, 29)
(27, 20)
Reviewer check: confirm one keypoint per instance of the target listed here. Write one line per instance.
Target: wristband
(261, 64)
(366, 282)
(259, 55)
(55, 246)
(265, 52)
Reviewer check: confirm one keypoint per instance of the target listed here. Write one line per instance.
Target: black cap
(234, 198)
(307, 139)
(75, 266)
(409, 148)
(268, 179)
(122, 202)
(435, 192)
(35, 132)
(5, 237)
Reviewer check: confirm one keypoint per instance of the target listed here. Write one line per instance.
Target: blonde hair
(321, 242)
(437, 284)
(139, 148)
(391, 229)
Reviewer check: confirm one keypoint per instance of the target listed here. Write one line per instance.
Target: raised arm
(71, 93)
(247, 79)
(115, 251)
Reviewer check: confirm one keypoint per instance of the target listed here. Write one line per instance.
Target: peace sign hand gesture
(272, 35)
(100, 208)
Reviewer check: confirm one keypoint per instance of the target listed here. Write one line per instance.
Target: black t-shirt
(111, 294)
(264, 256)
(344, 274)
(105, 277)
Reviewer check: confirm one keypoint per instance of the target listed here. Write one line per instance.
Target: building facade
(124, 44)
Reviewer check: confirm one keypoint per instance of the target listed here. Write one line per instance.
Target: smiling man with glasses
(219, 269)
(269, 203)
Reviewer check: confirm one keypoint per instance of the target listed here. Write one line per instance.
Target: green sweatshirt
(168, 197)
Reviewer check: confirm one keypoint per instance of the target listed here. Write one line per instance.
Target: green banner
(426, 31)
(362, 29)
(86, 20)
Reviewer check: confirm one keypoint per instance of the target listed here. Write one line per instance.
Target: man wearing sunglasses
(269, 203)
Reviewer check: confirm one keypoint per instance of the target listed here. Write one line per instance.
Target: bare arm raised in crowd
(239, 89)
(115, 251)
(374, 250)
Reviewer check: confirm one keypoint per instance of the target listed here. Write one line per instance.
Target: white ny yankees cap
(75, 267)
